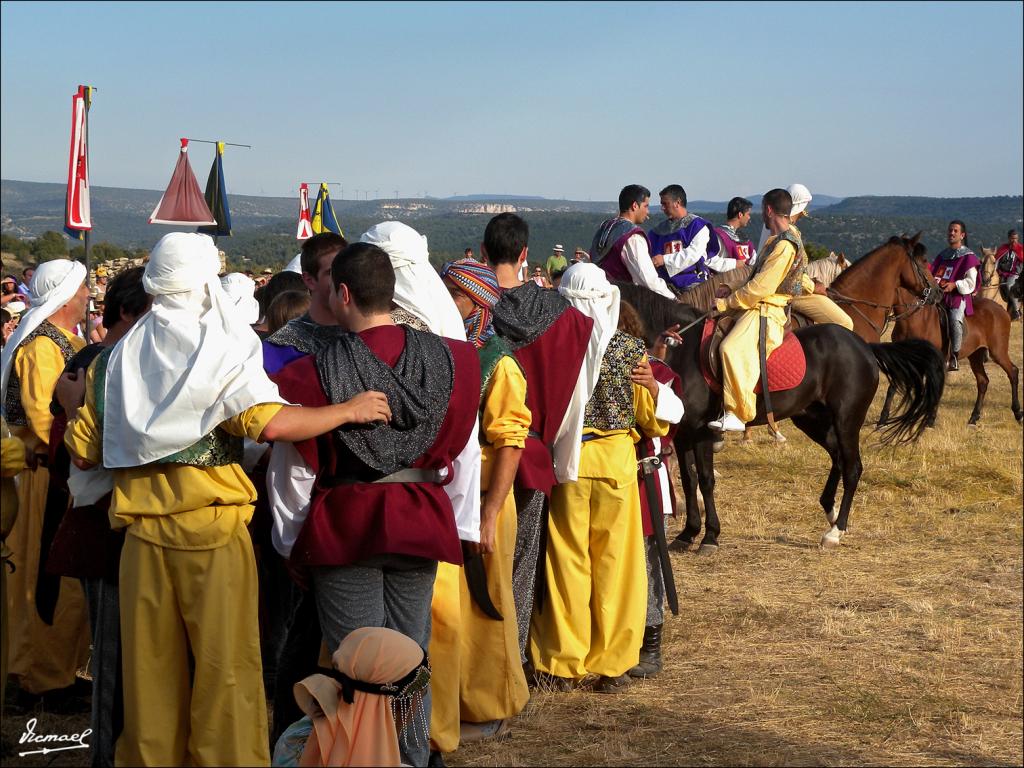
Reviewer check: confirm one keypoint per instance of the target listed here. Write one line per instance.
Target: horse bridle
(930, 294)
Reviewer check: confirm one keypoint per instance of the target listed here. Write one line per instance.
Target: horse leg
(886, 406)
(691, 529)
(848, 438)
(1002, 359)
(817, 424)
(705, 461)
(977, 360)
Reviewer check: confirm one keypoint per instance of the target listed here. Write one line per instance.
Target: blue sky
(556, 99)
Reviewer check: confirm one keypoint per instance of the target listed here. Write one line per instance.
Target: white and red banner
(305, 230)
(77, 216)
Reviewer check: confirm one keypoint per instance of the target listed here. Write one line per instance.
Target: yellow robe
(821, 309)
(13, 461)
(493, 685)
(42, 657)
(188, 586)
(741, 368)
(596, 599)
(459, 631)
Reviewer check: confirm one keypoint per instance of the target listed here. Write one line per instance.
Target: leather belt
(401, 476)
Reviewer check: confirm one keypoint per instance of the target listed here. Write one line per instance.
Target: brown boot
(613, 684)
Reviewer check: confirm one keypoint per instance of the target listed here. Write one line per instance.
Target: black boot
(954, 364)
(650, 654)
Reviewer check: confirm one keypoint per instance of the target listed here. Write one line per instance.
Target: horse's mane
(658, 313)
(866, 263)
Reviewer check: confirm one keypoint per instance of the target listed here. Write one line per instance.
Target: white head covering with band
(418, 287)
(53, 285)
(241, 290)
(187, 365)
(586, 287)
(801, 197)
(295, 265)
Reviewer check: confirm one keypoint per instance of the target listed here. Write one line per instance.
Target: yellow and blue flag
(324, 219)
(217, 197)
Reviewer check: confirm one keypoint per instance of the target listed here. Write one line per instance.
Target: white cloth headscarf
(187, 365)
(802, 197)
(418, 287)
(586, 287)
(295, 265)
(54, 284)
(241, 291)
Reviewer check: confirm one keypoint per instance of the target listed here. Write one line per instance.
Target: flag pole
(88, 275)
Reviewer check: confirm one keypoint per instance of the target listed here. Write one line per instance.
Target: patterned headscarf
(479, 282)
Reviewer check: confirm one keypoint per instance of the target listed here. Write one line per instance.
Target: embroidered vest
(16, 415)
(611, 405)
(217, 449)
(665, 240)
(791, 284)
(491, 354)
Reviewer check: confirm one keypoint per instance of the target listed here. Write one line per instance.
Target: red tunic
(350, 523)
(646, 447)
(552, 365)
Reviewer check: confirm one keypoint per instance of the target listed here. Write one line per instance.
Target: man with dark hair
(1009, 262)
(956, 270)
(737, 216)
(621, 247)
(682, 246)
(766, 294)
(550, 340)
(364, 512)
(302, 335)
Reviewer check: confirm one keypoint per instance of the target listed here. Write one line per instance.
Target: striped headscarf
(479, 282)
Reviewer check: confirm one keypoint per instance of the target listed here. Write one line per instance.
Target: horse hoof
(779, 437)
(718, 447)
(707, 550)
(972, 424)
(832, 538)
(681, 545)
(832, 515)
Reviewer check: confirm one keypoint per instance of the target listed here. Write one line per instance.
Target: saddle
(787, 365)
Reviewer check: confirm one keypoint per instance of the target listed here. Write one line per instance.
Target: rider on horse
(685, 248)
(956, 269)
(777, 280)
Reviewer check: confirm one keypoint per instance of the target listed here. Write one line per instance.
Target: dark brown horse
(893, 285)
(829, 405)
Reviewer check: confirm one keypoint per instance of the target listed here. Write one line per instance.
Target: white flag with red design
(77, 216)
(305, 230)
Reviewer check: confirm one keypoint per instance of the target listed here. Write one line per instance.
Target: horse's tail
(918, 372)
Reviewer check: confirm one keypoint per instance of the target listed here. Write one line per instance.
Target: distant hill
(264, 227)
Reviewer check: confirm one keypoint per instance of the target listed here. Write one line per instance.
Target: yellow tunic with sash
(493, 686)
(188, 587)
(477, 675)
(42, 657)
(595, 604)
(767, 293)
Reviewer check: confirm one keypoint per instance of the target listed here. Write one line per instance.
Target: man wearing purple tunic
(621, 247)
(683, 247)
(956, 270)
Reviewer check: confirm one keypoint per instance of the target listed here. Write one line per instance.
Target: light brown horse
(893, 284)
(988, 278)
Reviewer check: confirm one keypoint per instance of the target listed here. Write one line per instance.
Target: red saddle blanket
(787, 365)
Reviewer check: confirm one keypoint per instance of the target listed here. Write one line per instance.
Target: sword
(476, 580)
(762, 336)
(650, 465)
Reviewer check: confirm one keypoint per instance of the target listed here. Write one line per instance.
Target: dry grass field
(902, 647)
